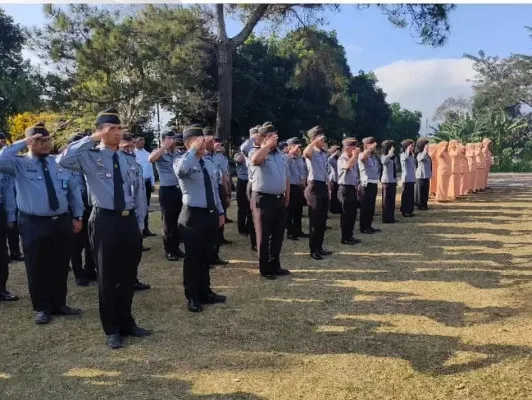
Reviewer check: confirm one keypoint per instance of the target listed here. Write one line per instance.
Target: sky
(418, 77)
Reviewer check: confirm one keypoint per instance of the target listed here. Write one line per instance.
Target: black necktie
(52, 195)
(208, 186)
(120, 202)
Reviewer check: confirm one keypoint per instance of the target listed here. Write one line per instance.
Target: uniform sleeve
(183, 166)
(247, 146)
(8, 194)
(386, 159)
(8, 157)
(423, 156)
(141, 205)
(72, 157)
(75, 198)
(218, 202)
(150, 168)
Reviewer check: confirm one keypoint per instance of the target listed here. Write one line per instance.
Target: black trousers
(13, 239)
(251, 224)
(368, 196)
(47, 244)
(149, 187)
(243, 209)
(4, 255)
(116, 243)
(334, 205)
(269, 217)
(295, 210)
(317, 197)
(389, 191)
(347, 194)
(198, 227)
(422, 191)
(81, 243)
(407, 198)
(171, 201)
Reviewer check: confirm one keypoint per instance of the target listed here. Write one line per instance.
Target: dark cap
(109, 116)
(266, 128)
(127, 137)
(37, 129)
(208, 131)
(368, 140)
(282, 145)
(168, 133)
(75, 137)
(349, 142)
(192, 131)
(293, 140)
(313, 133)
(218, 139)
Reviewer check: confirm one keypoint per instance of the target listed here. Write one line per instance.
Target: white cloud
(424, 84)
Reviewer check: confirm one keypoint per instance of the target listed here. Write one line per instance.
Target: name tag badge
(65, 184)
(107, 174)
(132, 189)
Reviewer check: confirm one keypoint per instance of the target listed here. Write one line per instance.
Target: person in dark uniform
(368, 167)
(317, 192)
(170, 196)
(115, 183)
(13, 236)
(347, 189)
(298, 177)
(270, 195)
(334, 205)
(243, 218)
(45, 191)
(7, 219)
(423, 173)
(408, 177)
(200, 218)
(388, 181)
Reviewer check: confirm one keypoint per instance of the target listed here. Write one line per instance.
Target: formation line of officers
(94, 197)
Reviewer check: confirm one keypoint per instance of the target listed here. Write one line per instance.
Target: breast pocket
(33, 175)
(63, 179)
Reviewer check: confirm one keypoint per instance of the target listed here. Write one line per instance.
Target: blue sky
(417, 76)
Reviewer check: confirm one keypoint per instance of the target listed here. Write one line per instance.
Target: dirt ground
(438, 306)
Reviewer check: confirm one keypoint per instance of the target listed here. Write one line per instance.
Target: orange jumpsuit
(472, 166)
(481, 167)
(464, 175)
(456, 169)
(434, 179)
(443, 172)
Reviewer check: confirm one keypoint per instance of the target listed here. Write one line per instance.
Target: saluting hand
(76, 225)
(391, 151)
(29, 140)
(271, 141)
(197, 143)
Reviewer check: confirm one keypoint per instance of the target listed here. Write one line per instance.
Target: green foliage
(404, 124)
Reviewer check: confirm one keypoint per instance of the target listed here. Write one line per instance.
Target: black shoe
(224, 241)
(172, 257)
(114, 341)
(179, 253)
(405, 215)
(281, 272)
(303, 235)
(82, 282)
(148, 233)
(194, 306)
(219, 261)
(324, 252)
(422, 208)
(213, 298)
(135, 331)
(42, 318)
(17, 257)
(141, 286)
(367, 231)
(293, 237)
(374, 230)
(316, 256)
(145, 248)
(228, 221)
(393, 221)
(351, 241)
(269, 276)
(7, 296)
(67, 311)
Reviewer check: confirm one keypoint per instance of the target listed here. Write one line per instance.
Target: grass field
(435, 307)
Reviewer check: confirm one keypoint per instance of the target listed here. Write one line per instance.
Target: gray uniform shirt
(369, 170)
(271, 175)
(297, 171)
(408, 169)
(7, 197)
(96, 163)
(241, 167)
(32, 195)
(347, 176)
(165, 167)
(192, 181)
(424, 165)
(333, 168)
(388, 170)
(317, 166)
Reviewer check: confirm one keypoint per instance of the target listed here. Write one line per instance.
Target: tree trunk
(225, 89)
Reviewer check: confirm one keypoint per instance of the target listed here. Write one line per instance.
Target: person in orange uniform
(471, 166)
(443, 172)
(434, 179)
(486, 144)
(481, 167)
(464, 175)
(456, 169)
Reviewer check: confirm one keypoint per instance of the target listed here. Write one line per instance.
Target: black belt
(105, 211)
(43, 217)
(170, 187)
(277, 196)
(200, 209)
(348, 186)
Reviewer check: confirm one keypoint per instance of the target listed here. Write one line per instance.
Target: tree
(452, 108)
(404, 124)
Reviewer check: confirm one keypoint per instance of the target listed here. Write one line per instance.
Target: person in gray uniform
(368, 167)
(317, 192)
(334, 205)
(348, 181)
(200, 218)
(170, 195)
(45, 192)
(7, 219)
(423, 173)
(388, 181)
(408, 177)
(116, 185)
(298, 178)
(269, 198)
(243, 216)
